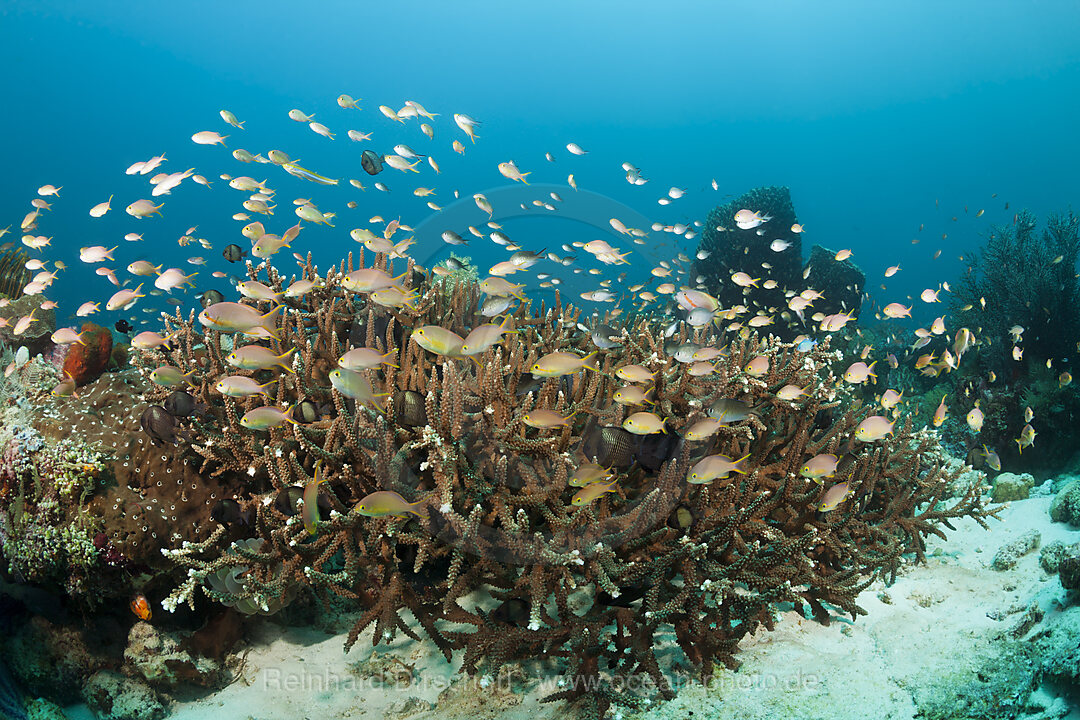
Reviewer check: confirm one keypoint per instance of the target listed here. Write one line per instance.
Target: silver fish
(685, 352)
(729, 411)
(495, 306)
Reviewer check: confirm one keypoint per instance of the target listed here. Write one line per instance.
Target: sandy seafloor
(926, 634)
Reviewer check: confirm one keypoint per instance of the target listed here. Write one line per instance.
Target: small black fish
(211, 297)
(287, 499)
(228, 511)
(627, 595)
(528, 383)
(159, 425)
(123, 326)
(653, 450)
(514, 611)
(233, 253)
(454, 264)
(410, 409)
(371, 162)
(181, 403)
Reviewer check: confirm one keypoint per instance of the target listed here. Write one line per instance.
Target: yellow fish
(560, 363)
(438, 340)
(387, 502)
(590, 492)
(546, 419)
(644, 423)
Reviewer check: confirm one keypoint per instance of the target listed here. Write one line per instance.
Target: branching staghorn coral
(498, 562)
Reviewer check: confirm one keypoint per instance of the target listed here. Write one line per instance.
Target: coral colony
(490, 496)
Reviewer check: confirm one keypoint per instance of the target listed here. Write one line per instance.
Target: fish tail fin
(736, 467)
(591, 362)
(269, 318)
(281, 362)
(523, 177)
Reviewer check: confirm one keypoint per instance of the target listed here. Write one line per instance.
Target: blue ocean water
(879, 118)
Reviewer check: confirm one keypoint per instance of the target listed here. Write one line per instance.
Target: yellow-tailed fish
(309, 513)
(590, 492)
(387, 502)
(266, 417)
(354, 385)
(590, 473)
(438, 340)
(560, 362)
(546, 419)
(713, 467)
(305, 174)
(257, 357)
(819, 466)
(644, 423)
(835, 496)
(241, 386)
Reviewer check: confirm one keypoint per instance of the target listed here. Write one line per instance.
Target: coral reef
(1028, 279)
(732, 249)
(1069, 570)
(1021, 291)
(771, 252)
(841, 281)
(164, 663)
(592, 585)
(36, 336)
(113, 696)
(45, 536)
(53, 661)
